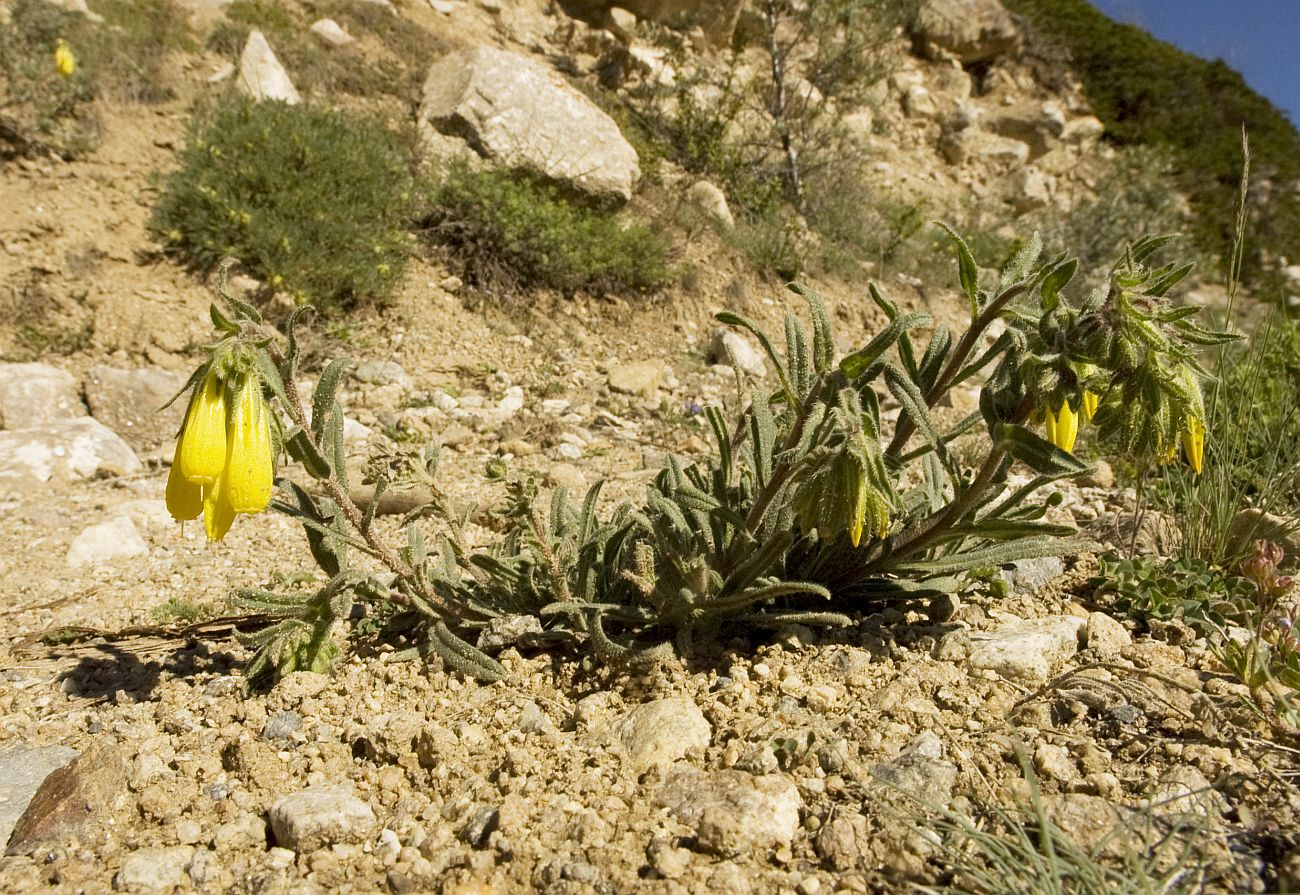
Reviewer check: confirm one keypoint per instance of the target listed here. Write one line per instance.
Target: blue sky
(1259, 38)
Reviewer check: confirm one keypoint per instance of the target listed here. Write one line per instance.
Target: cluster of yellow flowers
(1063, 429)
(224, 462)
(64, 61)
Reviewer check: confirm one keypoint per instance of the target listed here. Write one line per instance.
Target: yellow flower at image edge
(1193, 437)
(64, 61)
(1062, 426)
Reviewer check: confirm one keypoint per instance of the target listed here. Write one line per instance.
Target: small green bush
(508, 231)
(39, 109)
(313, 201)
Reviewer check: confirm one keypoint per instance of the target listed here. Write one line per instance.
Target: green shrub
(1151, 93)
(509, 231)
(313, 201)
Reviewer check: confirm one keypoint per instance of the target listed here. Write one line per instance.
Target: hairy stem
(956, 362)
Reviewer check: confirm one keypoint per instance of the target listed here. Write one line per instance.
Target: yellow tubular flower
(202, 447)
(64, 61)
(1193, 437)
(218, 515)
(1089, 405)
(1062, 427)
(250, 470)
(184, 498)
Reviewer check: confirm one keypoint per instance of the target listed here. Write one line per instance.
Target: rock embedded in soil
(522, 114)
(1024, 576)
(733, 811)
(32, 395)
(920, 772)
(261, 76)
(1106, 635)
(77, 798)
(129, 402)
(154, 869)
(641, 378)
(661, 732)
(1027, 652)
(23, 769)
(331, 32)
(320, 817)
(105, 542)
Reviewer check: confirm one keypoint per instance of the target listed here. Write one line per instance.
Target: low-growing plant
(1208, 598)
(812, 503)
(314, 201)
(1267, 660)
(507, 231)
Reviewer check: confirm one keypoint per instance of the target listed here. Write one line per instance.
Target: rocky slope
(132, 760)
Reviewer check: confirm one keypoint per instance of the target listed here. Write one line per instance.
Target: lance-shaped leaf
(823, 343)
(967, 271)
(298, 442)
(1050, 291)
(994, 555)
(326, 390)
(856, 364)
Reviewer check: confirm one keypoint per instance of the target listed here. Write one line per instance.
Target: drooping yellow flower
(64, 61)
(1089, 405)
(1193, 437)
(218, 515)
(184, 498)
(250, 469)
(1062, 426)
(202, 447)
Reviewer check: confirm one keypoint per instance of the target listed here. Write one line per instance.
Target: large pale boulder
(36, 394)
(65, 449)
(129, 402)
(520, 113)
(261, 75)
(969, 30)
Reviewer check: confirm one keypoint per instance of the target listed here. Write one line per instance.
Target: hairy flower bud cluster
(224, 463)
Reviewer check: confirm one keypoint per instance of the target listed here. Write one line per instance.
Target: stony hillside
(864, 758)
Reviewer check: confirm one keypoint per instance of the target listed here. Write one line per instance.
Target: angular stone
(115, 539)
(662, 731)
(129, 402)
(66, 449)
(83, 794)
(521, 114)
(320, 817)
(1106, 635)
(1024, 576)
(23, 769)
(261, 75)
(710, 202)
(33, 395)
(970, 30)
(154, 869)
(331, 32)
(382, 372)
(1027, 651)
(921, 772)
(638, 378)
(726, 346)
(733, 811)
